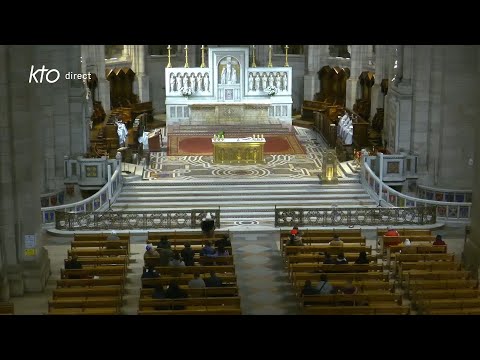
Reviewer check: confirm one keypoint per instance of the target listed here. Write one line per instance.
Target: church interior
(239, 180)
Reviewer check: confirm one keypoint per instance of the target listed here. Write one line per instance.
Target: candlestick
(270, 56)
(286, 55)
(186, 57)
(254, 65)
(203, 57)
(169, 48)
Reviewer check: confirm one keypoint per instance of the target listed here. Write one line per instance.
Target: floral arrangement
(186, 91)
(271, 90)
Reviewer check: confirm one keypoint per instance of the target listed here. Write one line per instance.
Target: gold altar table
(238, 150)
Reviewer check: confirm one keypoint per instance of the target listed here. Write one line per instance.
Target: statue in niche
(192, 81)
(206, 82)
(172, 82)
(257, 82)
(199, 82)
(178, 81)
(278, 81)
(229, 71)
(264, 81)
(250, 82)
(271, 79)
(285, 81)
(185, 80)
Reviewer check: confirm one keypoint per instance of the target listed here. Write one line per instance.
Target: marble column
(24, 262)
(377, 97)
(355, 71)
(94, 58)
(472, 247)
(141, 85)
(317, 56)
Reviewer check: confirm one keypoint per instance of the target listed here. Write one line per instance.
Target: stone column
(472, 247)
(355, 71)
(141, 84)
(377, 97)
(317, 57)
(25, 264)
(94, 58)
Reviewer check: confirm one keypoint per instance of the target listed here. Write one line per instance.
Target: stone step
(241, 192)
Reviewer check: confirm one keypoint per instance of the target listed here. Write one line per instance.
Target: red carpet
(202, 145)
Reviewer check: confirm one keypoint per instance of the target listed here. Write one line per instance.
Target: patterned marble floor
(307, 165)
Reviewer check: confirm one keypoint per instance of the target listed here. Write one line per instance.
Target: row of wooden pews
(98, 287)
(436, 283)
(376, 295)
(223, 300)
(7, 308)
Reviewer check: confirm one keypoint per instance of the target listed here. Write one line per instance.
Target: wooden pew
(201, 260)
(424, 284)
(206, 302)
(293, 250)
(315, 258)
(426, 304)
(419, 294)
(205, 292)
(355, 299)
(398, 257)
(86, 302)
(93, 271)
(410, 275)
(429, 265)
(109, 291)
(365, 276)
(344, 233)
(201, 311)
(102, 260)
(357, 310)
(84, 311)
(179, 235)
(406, 232)
(219, 269)
(98, 252)
(7, 308)
(184, 279)
(464, 311)
(334, 268)
(360, 240)
(309, 106)
(98, 237)
(101, 244)
(101, 281)
(362, 285)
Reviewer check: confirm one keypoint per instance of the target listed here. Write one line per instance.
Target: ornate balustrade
(134, 220)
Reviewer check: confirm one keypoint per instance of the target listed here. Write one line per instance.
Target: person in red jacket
(439, 241)
(392, 232)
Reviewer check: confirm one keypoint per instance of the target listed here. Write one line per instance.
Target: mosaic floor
(303, 166)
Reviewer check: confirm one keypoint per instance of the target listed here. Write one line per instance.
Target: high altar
(228, 91)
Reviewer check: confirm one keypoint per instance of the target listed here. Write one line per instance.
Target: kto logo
(51, 76)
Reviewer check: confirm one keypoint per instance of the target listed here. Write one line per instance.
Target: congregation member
(362, 258)
(188, 254)
(439, 240)
(336, 241)
(149, 273)
(207, 250)
(224, 241)
(308, 289)
(341, 259)
(213, 280)
(328, 259)
(324, 287)
(197, 282)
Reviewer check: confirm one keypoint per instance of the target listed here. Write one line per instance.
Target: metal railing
(354, 216)
(134, 220)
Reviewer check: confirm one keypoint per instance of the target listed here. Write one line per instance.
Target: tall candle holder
(254, 65)
(203, 57)
(286, 55)
(169, 48)
(270, 56)
(186, 57)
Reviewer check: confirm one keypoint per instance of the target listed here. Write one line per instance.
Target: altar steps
(229, 129)
(240, 200)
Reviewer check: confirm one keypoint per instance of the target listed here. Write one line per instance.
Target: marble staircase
(251, 200)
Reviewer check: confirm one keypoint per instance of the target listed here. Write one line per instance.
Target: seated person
(295, 240)
(328, 259)
(439, 240)
(324, 287)
(197, 282)
(362, 258)
(336, 241)
(176, 260)
(407, 242)
(188, 254)
(349, 288)
(174, 292)
(150, 252)
(159, 293)
(393, 234)
(164, 243)
(113, 237)
(213, 280)
(165, 255)
(207, 250)
(225, 241)
(73, 263)
(308, 289)
(341, 259)
(294, 231)
(149, 273)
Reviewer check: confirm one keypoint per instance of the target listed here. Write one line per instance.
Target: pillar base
(310, 86)
(28, 277)
(471, 257)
